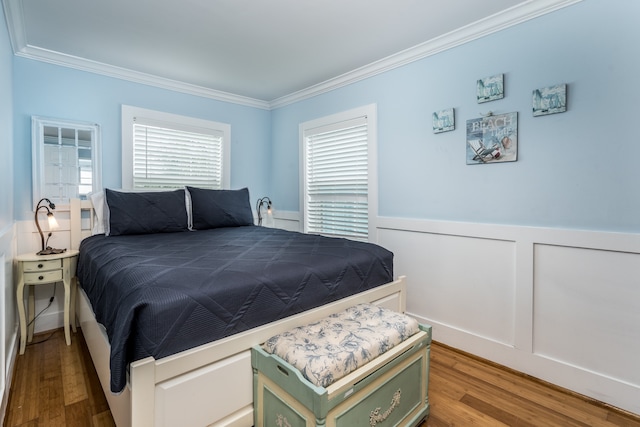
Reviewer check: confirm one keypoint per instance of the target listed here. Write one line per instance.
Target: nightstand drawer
(43, 277)
(42, 265)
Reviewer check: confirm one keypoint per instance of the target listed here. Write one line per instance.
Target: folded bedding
(161, 293)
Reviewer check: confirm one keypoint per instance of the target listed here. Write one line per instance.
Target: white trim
(512, 293)
(3, 327)
(14, 12)
(82, 64)
(497, 22)
(369, 111)
(484, 27)
(587, 239)
(8, 324)
(38, 123)
(130, 112)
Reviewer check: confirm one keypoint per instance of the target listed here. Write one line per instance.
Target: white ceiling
(261, 50)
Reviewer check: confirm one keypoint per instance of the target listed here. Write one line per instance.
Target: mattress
(159, 294)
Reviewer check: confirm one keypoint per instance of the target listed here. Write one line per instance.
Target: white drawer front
(43, 276)
(42, 265)
(206, 395)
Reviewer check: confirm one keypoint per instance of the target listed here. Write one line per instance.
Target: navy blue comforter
(159, 294)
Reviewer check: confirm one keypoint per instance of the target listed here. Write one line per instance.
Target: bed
(207, 379)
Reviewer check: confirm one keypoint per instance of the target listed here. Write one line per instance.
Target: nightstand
(33, 270)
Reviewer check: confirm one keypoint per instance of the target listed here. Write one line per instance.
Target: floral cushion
(327, 350)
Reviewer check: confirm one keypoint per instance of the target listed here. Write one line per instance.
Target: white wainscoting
(8, 319)
(3, 334)
(287, 220)
(561, 305)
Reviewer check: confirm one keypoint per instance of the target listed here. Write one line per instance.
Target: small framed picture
(490, 88)
(550, 100)
(443, 120)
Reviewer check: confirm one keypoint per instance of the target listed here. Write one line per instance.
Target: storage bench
(366, 366)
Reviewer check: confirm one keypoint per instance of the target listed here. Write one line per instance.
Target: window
(339, 174)
(166, 151)
(66, 159)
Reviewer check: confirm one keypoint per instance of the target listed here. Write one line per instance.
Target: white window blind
(162, 150)
(166, 157)
(336, 179)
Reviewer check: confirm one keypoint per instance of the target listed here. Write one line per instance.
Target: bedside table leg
(72, 310)
(31, 310)
(67, 300)
(23, 320)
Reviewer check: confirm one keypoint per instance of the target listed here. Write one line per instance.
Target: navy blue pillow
(220, 208)
(145, 213)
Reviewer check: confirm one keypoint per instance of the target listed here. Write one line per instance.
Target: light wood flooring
(465, 390)
(56, 385)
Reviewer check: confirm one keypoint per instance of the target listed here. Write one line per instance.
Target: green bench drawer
(391, 390)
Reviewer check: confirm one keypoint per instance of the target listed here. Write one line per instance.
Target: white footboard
(208, 385)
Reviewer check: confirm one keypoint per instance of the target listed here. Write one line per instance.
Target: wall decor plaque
(443, 120)
(490, 88)
(492, 139)
(550, 100)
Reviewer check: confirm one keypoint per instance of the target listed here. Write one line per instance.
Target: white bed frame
(208, 385)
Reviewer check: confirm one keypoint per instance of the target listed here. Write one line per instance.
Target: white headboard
(76, 206)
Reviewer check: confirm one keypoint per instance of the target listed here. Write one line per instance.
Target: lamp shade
(53, 223)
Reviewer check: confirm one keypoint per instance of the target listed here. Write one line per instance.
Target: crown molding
(492, 24)
(15, 23)
(500, 21)
(83, 64)
(14, 14)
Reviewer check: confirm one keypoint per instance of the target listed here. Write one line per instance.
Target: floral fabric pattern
(329, 349)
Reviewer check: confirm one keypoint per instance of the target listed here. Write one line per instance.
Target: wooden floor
(56, 385)
(465, 390)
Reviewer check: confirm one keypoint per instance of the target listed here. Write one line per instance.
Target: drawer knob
(40, 265)
(40, 277)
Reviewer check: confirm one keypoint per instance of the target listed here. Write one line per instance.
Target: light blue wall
(577, 169)
(48, 90)
(7, 293)
(6, 127)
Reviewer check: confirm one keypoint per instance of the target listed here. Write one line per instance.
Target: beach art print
(492, 139)
(550, 100)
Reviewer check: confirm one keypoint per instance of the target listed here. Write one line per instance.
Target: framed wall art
(443, 120)
(490, 88)
(492, 139)
(550, 100)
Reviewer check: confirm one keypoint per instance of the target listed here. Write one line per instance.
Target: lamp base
(51, 251)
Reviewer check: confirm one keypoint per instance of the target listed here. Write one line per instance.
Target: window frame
(370, 112)
(38, 124)
(172, 121)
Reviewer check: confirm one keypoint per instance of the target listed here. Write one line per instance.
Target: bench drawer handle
(377, 417)
(282, 370)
